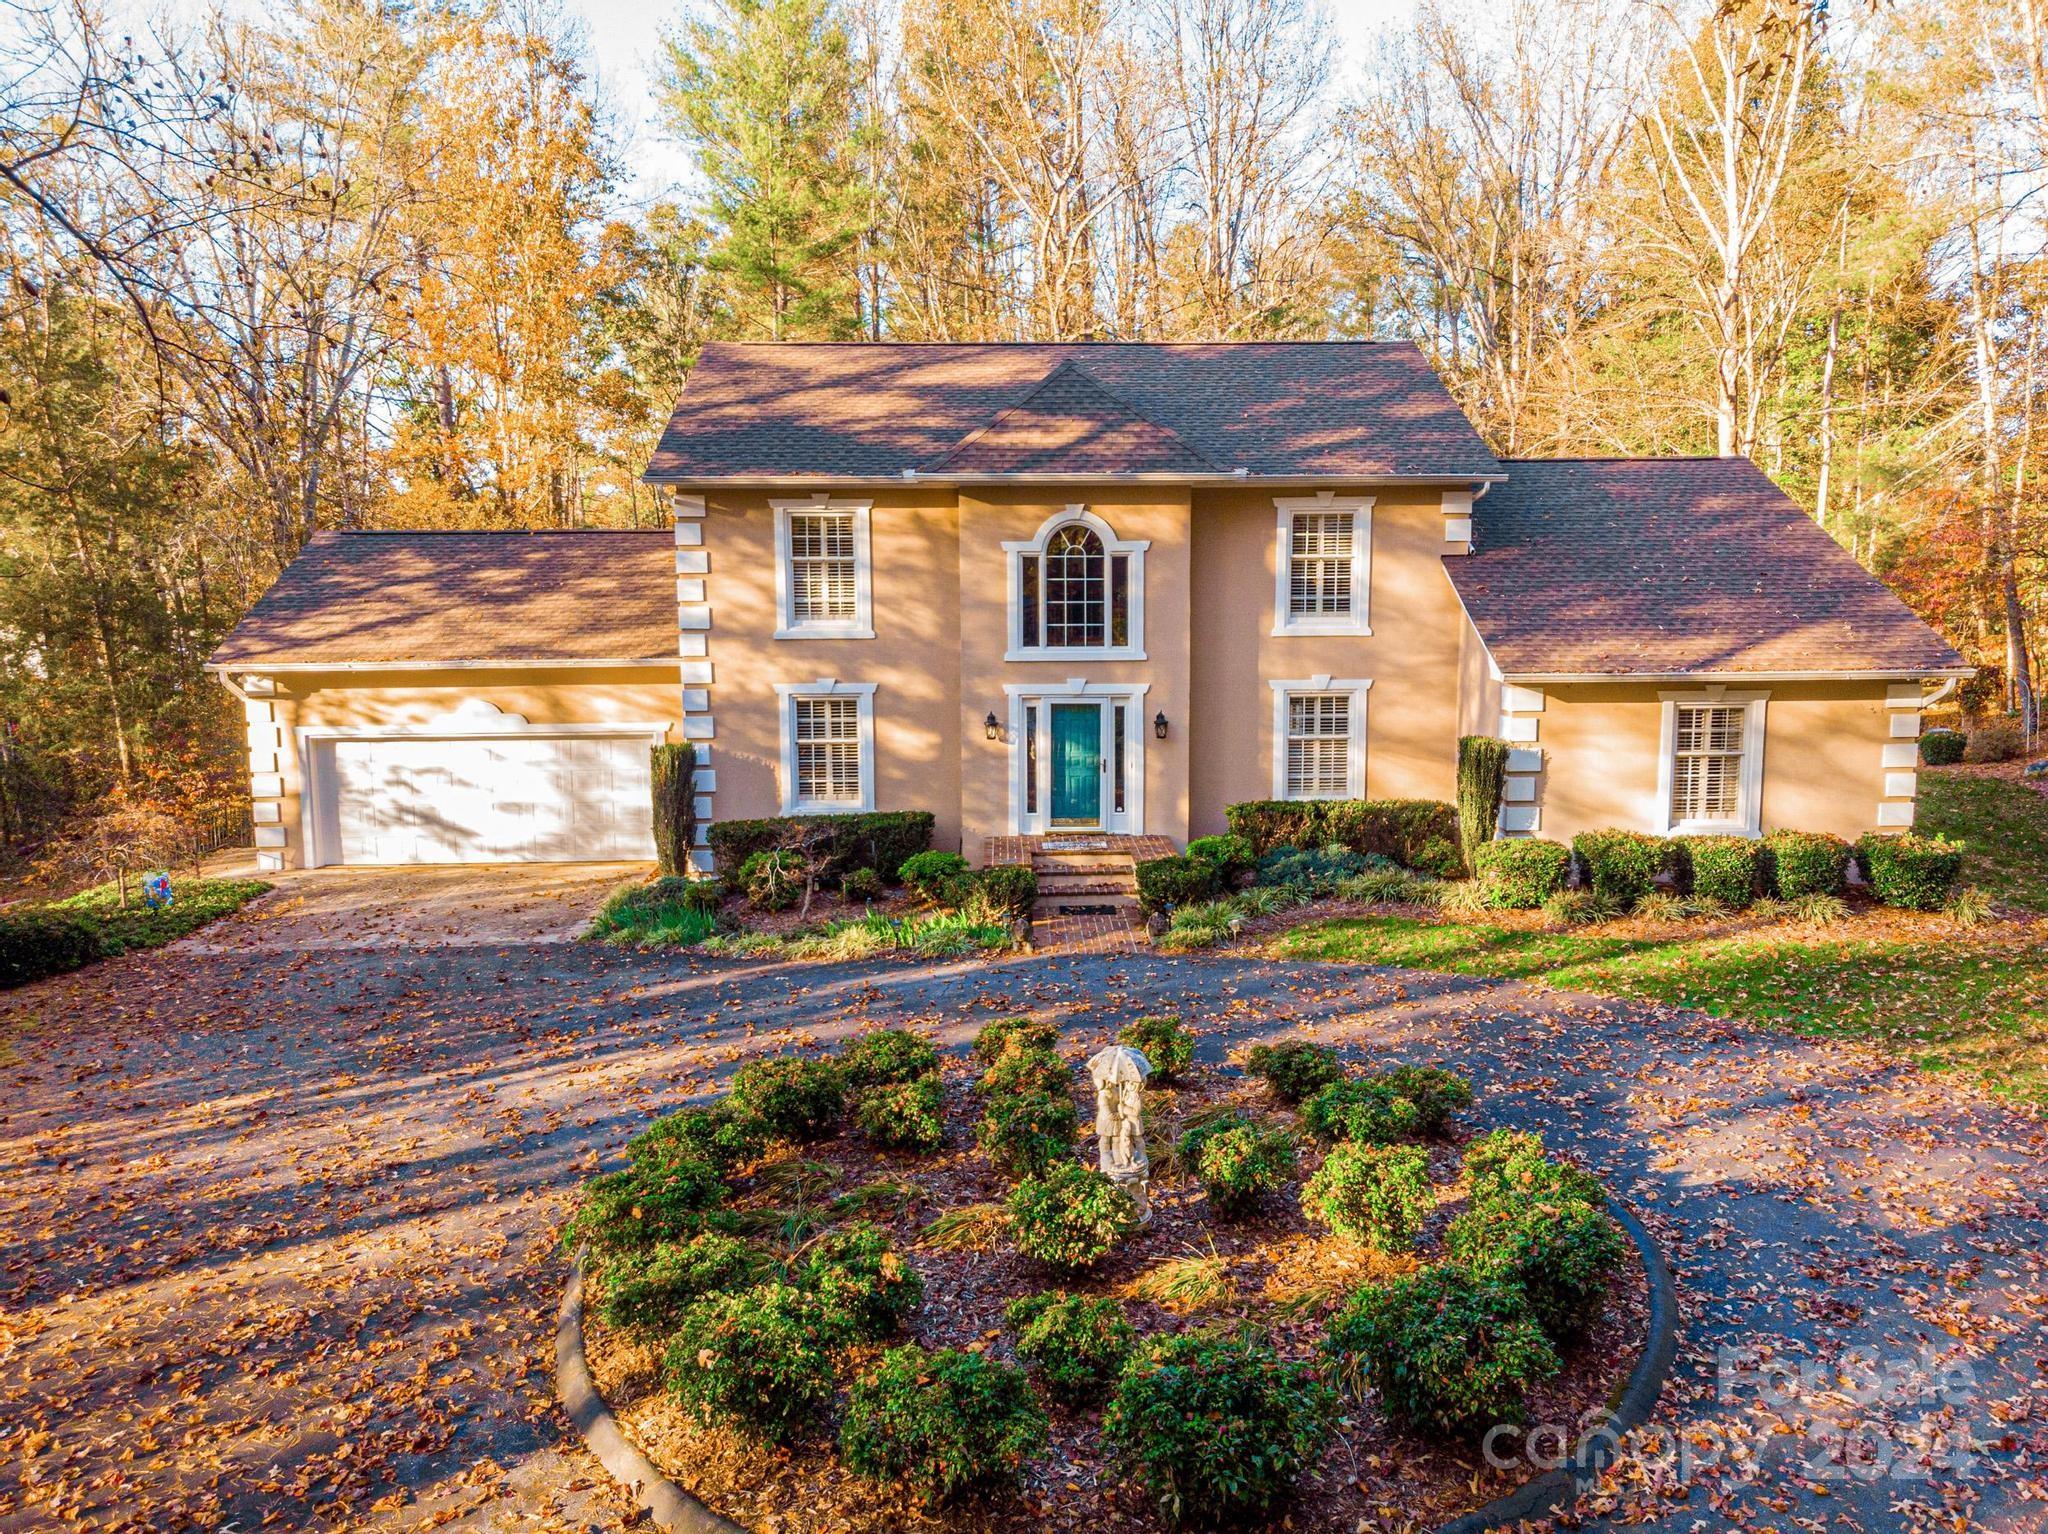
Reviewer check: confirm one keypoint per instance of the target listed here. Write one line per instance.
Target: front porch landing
(1087, 886)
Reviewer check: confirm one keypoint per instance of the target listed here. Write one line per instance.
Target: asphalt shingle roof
(875, 410)
(368, 598)
(1673, 567)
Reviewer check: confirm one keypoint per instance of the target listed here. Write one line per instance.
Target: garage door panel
(493, 800)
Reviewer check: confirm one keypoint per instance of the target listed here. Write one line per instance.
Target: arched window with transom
(1077, 591)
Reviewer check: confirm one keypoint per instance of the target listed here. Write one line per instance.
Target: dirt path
(278, 1218)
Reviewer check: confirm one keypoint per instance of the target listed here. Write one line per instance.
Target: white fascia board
(941, 481)
(269, 667)
(1564, 678)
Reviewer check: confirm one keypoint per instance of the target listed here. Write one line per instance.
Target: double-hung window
(1713, 762)
(822, 570)
(1323, 564)
(1319, 738)
(828, 747)
(1077, 592)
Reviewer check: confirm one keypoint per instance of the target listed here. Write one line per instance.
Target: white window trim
(1354, 778)
(1014, 554)
(1751, 821)
(1076, 689)
(862, 624)
(825, 687)
(1358, 620)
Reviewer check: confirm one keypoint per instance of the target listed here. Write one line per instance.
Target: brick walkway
(1086, 934)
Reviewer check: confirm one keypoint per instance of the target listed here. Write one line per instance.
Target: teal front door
(1076, 764)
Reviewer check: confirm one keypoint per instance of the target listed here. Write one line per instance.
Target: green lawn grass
(2005, 826)
(1976, 1004)
(198, 901)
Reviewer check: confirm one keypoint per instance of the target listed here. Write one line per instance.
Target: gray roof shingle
(873, 410)
(1674, 567)
(409, 598)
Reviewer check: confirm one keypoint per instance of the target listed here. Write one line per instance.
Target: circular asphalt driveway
(278, 1218)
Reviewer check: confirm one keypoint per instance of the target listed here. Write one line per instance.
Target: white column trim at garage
(475, 722)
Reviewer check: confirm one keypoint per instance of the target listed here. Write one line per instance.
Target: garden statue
(1119, 1074)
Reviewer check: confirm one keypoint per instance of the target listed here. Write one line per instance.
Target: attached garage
(460, 698)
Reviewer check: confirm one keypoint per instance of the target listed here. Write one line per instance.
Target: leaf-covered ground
(2002, 819)
(278, 1220)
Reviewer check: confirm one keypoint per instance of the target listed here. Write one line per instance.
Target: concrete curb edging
(677, 1512)
(1628, 1408)
(672, 1508)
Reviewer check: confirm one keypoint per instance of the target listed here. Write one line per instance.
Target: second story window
(1323, 565)
(822, 570)
(1077, 592)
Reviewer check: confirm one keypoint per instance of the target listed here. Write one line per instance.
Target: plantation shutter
(821, 567)
(1318, 745)
(1706, 767)
(828, 750)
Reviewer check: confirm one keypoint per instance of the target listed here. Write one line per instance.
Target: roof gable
(1070, 424)
(890, 410)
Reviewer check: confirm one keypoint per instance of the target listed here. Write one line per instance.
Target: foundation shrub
(1621, 866)
(1521, 873)
(1482, 779)
(1170, 882)
(1312, 870)
(941, 1422)
(1009, 888)
(928, 873)
(1400, 829)
(1915, 873)
(1077, 1345)
(1448, 1353)
(773, 879)
(1943, 748)
(1217, 1427)
(1733, 870)
(878, 840)
(1806, 863)
(1233, 857)
(861, 884)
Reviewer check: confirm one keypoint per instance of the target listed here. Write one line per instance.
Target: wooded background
(374, 265)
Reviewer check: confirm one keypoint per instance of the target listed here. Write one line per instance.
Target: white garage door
(541, 798)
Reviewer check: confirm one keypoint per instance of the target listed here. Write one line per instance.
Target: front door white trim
(1028, 822)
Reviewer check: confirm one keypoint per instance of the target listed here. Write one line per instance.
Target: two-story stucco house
(1105, 587)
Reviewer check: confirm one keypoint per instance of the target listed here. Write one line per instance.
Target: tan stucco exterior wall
(382, 699)
(1823, 765)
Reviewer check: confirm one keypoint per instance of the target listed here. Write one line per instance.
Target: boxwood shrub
(1233, 857)
(879, 840)
(1377, 1195)
(1217, 1426)
(1448, 1352)
(1077, 1345)
(1943, 748)
(1435, 1092)
(791, 1098)
(1294, 1070)
(884, 1055)
(940, 1422)
(1731, 869)
(1401, 829)
(1026, 1069)
(1511, 1163)
(1027, 1132)
(1561, 1253)
(864, 1289)
(1916, 873)
(903, 1115)
(928, 872)
(1172, 882)
(719, 1134)
(1519, 874)
(1166, 1045)
(757, 1359)
(1011, 888)
(1071, 1217)
(1621, 866)
(1008, 1033)
(646, 1292)
(1238, 1162)
(1362, 1112)
(1806, 863)
(646, 1204)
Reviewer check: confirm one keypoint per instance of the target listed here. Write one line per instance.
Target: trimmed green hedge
(1806, 863)
(1731, 869)
(1416, 833)
(1177, 881)
(1622, 866)
(1916, 873)
(38, 942)
(1521, 873)
(881, 840)
(1943, 748)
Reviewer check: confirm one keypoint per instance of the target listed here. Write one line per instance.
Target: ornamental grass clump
(1216, 1426)
(757, 1359)
(1376, 1195)
(1076, 1345)
(1295, 1070)
(647, 1292)
(1436, 1093)
(1238, 1162)
(1914, 873)
(863, 1288)
(903, 1115)
(1027, 1132)
(1561, 1252)
(1448, 1353)
(1166, 1045)
(1070, 1218)
(1363, 1112)
(884, 1056)
(1806, 863)
(790, 1098)
(940, 1422)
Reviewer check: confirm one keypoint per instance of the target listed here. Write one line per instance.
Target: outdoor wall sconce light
(992, 727)
(1159, 725)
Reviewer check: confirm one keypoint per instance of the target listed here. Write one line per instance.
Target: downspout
(1948, 686)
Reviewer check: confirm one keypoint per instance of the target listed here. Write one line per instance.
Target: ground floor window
(1712, 763)
(828, 746)
(1319, 738)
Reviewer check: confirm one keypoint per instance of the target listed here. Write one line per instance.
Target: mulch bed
(1289, 1276)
